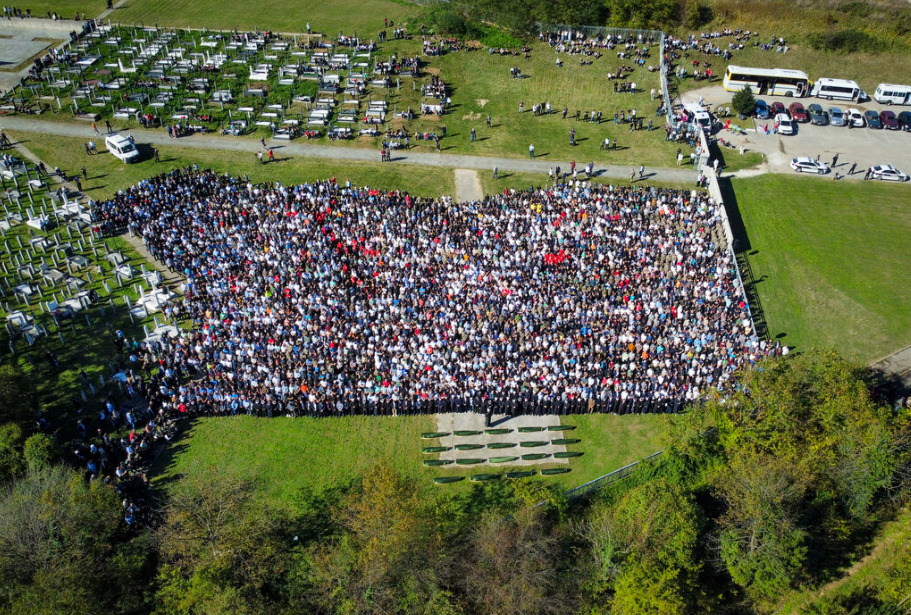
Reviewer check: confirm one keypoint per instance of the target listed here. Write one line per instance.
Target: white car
(785, 124)
(888, 173)
(805, 164)
(855, 118)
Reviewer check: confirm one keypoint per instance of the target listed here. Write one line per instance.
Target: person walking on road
(834, 160)
(851, 170)
(641, 171)
(632, 175)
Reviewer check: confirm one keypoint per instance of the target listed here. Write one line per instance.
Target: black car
(817, 115)
(904, 120)
(872, 118)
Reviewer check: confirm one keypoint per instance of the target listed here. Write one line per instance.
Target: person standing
(495, 173)
(851, 170)
(259, 156)
(473, 135)
(531, 151)
(271, 156)
(488, 121)
(85, 174)
(834, 160)
(572, 136)
(641, 171)
(632, 175)
(95, 128)
(157, 159)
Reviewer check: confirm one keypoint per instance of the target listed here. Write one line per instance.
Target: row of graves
(57, 275)
(231, 82)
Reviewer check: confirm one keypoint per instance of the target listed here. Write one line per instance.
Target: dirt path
(467, 186)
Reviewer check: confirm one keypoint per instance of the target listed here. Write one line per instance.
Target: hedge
(466, 432)
(501, 459)
(561, 427)
(568, 454)
(430, 435)
(434, 449)
(530, 429)
(533, 443)
(533, 456)
(468, 447)
(437, 462)
(469, 461)
(501, 445)
(562, 441)
(495, 432)
(482, 477)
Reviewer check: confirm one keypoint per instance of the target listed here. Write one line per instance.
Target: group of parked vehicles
(795, 83)
(786, 117)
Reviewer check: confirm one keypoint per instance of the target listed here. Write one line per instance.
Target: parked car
(836, 116)
(889, 120)
(786, 126)
(798, 113)
(817, 115)
(762, 110)
(855, 118)
(777, 108)
(872, 118)
(887, 172)
(904, 118)
(805, 164)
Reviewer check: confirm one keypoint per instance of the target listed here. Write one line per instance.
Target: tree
(744, 102)
(40, 451)
(644, 549)
(760, 541)
(17, 396)
(510, 566)
(219, 547)
(12, 463)
(388, 557)
(63, 548)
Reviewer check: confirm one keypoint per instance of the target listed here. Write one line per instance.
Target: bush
(492, 37)
(698, 14)
(744, 102)
(40, 451)
(847, 40)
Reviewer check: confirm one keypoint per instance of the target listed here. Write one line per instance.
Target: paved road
(305, 150)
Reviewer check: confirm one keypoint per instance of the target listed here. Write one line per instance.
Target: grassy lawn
(361, 17)
(284, 456)
(832, 261)
(107, 175)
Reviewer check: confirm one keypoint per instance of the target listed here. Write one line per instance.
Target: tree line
(775, 487)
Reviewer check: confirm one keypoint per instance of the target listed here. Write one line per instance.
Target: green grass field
(361, 17)
(832, 262)
(283, 455)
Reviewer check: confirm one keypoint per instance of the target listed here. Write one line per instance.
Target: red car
(798, 113)
(889, 120)
(776, 108)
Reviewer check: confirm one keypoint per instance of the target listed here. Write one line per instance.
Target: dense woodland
(776, 487)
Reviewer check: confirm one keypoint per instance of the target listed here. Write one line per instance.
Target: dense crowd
(322, 298)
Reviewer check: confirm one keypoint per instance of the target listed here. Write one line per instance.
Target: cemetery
(226, 82)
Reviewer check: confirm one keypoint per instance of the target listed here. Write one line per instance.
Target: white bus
(837, 89)
(891, 94)
(767, 81)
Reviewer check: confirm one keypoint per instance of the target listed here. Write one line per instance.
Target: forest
(776, 487)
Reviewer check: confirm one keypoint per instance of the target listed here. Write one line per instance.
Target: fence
(603, 481)
(751, 296)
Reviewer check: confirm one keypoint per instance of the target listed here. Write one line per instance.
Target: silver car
(836, 116)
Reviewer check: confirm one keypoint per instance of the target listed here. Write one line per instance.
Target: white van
(891, 94)
(121, 148)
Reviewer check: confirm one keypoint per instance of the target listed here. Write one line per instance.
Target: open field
(831, 261)
(284, 456)
(107, 175)
(362, 17)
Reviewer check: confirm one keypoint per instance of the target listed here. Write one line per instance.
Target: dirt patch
(471, 116)
(481, 102)
(433, 70)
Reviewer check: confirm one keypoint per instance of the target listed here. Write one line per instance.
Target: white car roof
(781, 117)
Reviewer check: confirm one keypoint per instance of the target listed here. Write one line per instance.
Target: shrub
(492, 37)
(847, 40)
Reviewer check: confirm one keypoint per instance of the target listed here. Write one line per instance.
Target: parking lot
(865, 146)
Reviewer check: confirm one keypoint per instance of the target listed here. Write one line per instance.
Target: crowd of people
(322, 298)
